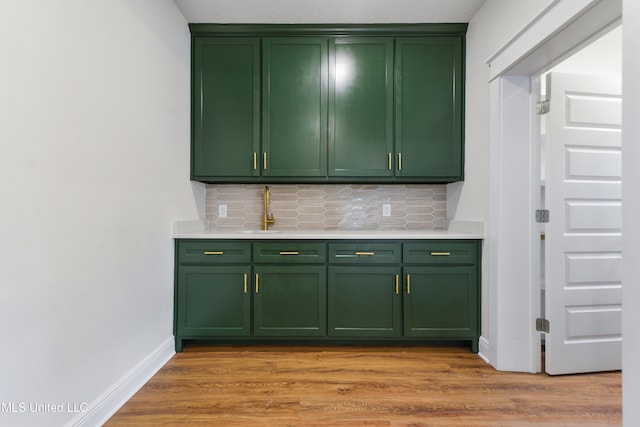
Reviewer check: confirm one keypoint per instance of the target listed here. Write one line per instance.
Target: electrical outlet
(386, 209)
(222, 211)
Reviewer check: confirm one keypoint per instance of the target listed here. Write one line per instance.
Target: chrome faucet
(266, 218)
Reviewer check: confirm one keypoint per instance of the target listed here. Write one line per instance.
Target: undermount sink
(261, 231)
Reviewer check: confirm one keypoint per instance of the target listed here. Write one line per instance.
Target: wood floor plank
(363, 386)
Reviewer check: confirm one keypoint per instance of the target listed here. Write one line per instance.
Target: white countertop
(457, 230)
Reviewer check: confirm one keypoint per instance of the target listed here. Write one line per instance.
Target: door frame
(513, 246)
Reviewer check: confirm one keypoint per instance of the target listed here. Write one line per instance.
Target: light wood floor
(363, 386)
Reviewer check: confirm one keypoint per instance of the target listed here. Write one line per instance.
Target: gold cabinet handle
(264, 160)
(289, 253)
(255, 160)
(245, 283)
(399, 161)
(390, 166)
(365, 253)
(440, 253)
(408, 284)
(257, 282)
(397, 285)
(213, 252)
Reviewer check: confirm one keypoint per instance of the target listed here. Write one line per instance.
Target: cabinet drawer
(459, 252)
(365, 253)
(213, 252)
(289, 252)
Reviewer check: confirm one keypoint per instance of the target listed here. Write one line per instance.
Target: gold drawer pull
(255, 161)
(245, 283)
(289, 253)
(365, 253)
(440, 253)
(264, 160)
(397, 280)
(390, 166)
(213, 252)
(408, 284)
(257, 282)
(399, 161)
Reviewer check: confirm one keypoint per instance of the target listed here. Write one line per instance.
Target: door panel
(365, 301)
(295, 94)
(440, 302)
(583, 295)
(226, 107)
(214, 301)
(290, 301)
(429, 107)
(361, 114)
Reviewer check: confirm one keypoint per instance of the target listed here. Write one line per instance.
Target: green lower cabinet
(213, 301)
(290, 301)
(364, 302)
(313, 291)
(441, 302)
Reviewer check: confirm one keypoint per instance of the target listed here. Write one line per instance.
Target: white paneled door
(583, 296)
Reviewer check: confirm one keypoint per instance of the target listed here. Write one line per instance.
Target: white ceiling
(328, 11)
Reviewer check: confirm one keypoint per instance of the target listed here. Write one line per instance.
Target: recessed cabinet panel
(440, 301)
(364, 252)
(214, 301)
(289, 252)
(294, 106)
(290, 301)
(225, 107)
(429, 109)
(364, 301)
(441, 252)
(361, 113)
(199, 251)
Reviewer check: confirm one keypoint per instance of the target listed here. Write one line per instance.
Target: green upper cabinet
(328, 103)
(361, 107)
(294, 106)
(225, 107)
(429, 108)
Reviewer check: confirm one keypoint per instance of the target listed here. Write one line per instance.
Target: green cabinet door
(213, 301)
(441, 302)
(429, 107)
(290, 301)
(361, 107)
(294, 106)
(225, 107)
(364, 302)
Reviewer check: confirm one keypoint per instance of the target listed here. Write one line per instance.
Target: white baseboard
(103, 408)
(484, 349)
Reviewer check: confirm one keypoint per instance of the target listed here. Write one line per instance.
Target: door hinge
(542, 107)
(542, 215)
(542, 325)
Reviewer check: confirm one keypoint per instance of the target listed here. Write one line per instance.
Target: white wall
(603, 57)
(630, 212)
(493, 26)
(94, 167)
